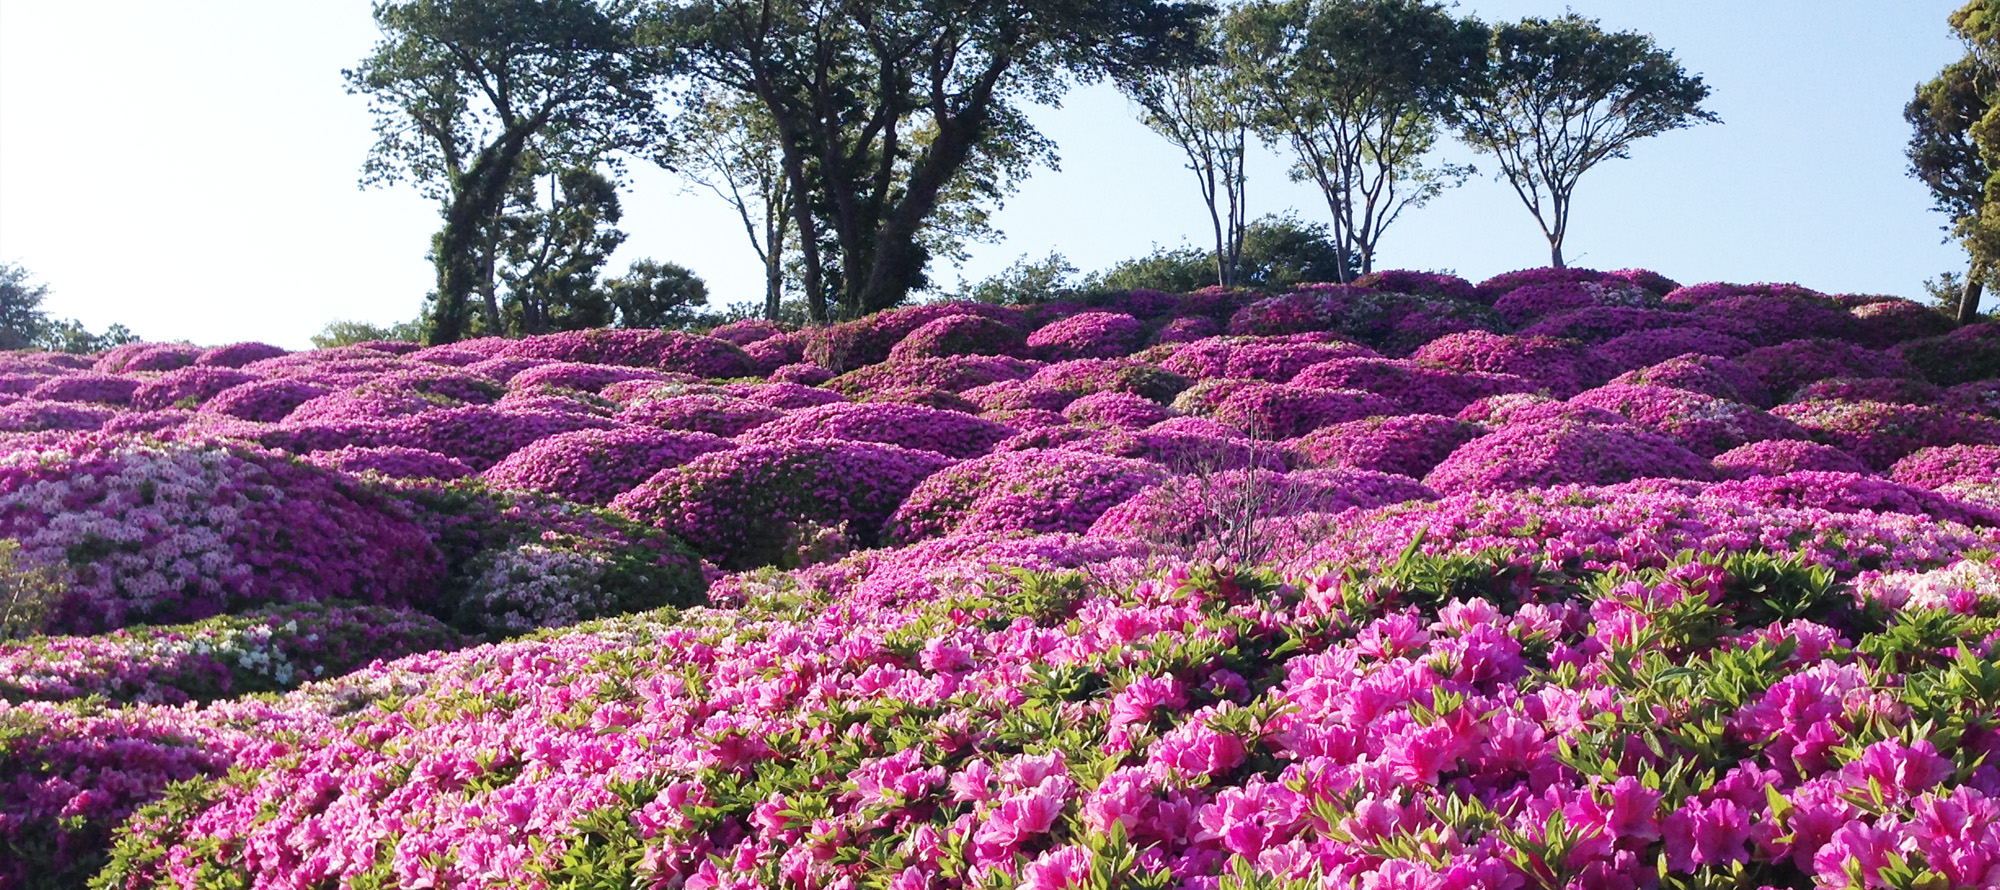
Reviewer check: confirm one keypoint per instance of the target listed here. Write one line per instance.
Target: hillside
(1565, 578)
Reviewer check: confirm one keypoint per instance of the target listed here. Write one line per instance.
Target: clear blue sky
(189, 169)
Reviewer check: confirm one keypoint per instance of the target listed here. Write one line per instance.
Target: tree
(1944, 156)
(553, 242)
(1278, 252)
(1559, 96)
(1026, 281)
(348, 333)
(657, 295)
(729, 146)
(1358, 89)
(24, 325)
(467, 92)
(22, 320)
(1205, 112)
(881, 107)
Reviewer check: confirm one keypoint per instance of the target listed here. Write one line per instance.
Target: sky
(191, 170)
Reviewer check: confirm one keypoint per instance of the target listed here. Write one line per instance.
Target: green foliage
(1278, 252)
(552, 245)
(1358, 90)
(1206, 113)
(1954, 144)
(348, 333)
(901, 120)
(471, 96)
(1026, 282)
(657, 295)
(21, 316)
(27, 593)
(1560, 96)
(23, 324)
(635, 567)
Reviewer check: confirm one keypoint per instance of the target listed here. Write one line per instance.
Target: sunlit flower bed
(1564, 579)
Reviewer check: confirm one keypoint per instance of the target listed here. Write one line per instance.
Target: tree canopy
(1560, 96)
(1357, 89)
(467, 94)
(882, 109)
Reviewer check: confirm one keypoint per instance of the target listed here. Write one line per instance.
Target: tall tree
(1944, 156)
(1206, 113)
(556, 233)
(728, 145)
(881, 105)
(466, 92)
(1358, 89)
(1559, 96)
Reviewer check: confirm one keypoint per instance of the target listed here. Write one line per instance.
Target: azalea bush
(1568, 578)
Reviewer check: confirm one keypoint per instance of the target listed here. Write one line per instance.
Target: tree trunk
(1968, 299)
(1556, 253)
(476, 198)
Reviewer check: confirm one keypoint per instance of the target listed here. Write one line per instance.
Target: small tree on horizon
(1358, 89)
(1205, 112)
(1560, 96)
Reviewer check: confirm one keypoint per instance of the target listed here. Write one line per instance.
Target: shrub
(1228, 510)
(1708, 426)
(1412, 387)
(264, 650)
(1116, 409)
(1273, 360)
(1849, 493)
(670, 350)
(1539, 455)
(752, 505)
(148, 533)
(594, 466)
(1409, 444)
(960, 335)
(1088, 335)
(1524, 305)
(1901, 390)
(1494, 288)
(1013, 492)
(265, 401)
(236, 355)
(1640, 349)
(717, 415)
(956, 373)
(392, 461)
(578, 375)
(1560, 367)
(1880, 433)
(1777, 457)
(31, 416)
(1707, 374)
(104, 389)
(1967, 354)
(950, 433)
(187, 387)
(1937, 466)
(1283, 411)
(1788, 366)
(1085, 376)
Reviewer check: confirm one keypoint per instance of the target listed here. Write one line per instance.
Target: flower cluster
(594, 466)
(152, 533)
(1010, 492)
(1088, 335)
(1562, 452)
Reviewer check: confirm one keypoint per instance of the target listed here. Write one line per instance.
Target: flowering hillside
(1563, 579)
